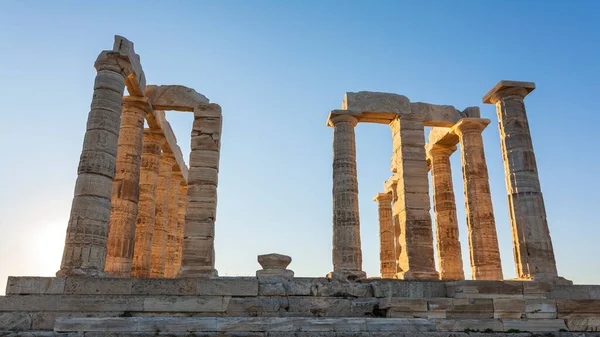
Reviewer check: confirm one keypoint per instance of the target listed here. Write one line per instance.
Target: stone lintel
(136, 81)
(383, 196)
(158, 123)
(174, 97)
(505, 87)
(449, 136)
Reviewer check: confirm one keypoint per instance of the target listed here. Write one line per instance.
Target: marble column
(483, 239)
(87, 231)
(533, 251)
(198, 252)
(444, 207)
(182, 205)
(387, 253)
(144, 229)
(176, 179)
(126, 191)
(391, 187)
(412, 208)
(161, 222)
(347, 253)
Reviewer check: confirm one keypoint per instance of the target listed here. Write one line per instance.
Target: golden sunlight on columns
(387, 256)
(182, 205)
(126, 190)
(87, 231)
(161, 222)
(144, 230)
(444, 206)
(176, 179)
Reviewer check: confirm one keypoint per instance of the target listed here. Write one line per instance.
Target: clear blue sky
(277, 68)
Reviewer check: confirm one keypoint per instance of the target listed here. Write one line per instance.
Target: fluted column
(161, 222)
(144, 230)
(198, 252)
(176, 179)
(481, 224)
(87, 232)
(182, 205)
(412, 208)
(126, 192)
(444, 207)
(387, 254)
(533, 251)
(347, 253)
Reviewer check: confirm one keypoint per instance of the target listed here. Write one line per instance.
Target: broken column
(533, 251)
(444, 206)
(161, 221)
(347, 254)
(144, 230)
(387, 256)
(413, 205)
(483, 239)
(176, 179)
(125, 191)
(198, 252)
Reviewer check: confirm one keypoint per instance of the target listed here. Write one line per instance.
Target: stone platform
(272, 306)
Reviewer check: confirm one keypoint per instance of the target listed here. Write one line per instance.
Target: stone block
(18, 321)
(35, 285)
(332, 307)
(569, 307)
(537, 325)
(376, 102)
(540, 290)
(334, 288)
(414, 289)
(174, 97)
(45, 320)
(403, 304)
(256, 306)
(400, 324)
(575, 292)
(213, 304)
(471, 308)
(223, 286)
(270, 273)
(485, 289)
(436, 115)
(71, 303)
(98, 286)
(540, 308)
(583, 322)
(508, 307)
(155, 286)
(469, 324)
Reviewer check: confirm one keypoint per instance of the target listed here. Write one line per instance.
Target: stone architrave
(182, 205)
(126, 191)
(144, 230)
(176, 179)
(87, 231)
(483, 239)
(387, 253)
(533, 251)
(161, 221)
(347, 253)
(198, 252)
(444, 206)
(412, 208)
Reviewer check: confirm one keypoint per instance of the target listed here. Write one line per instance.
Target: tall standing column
(144, 229)
(387, 254)
(483, 239)
(182, 205)
(198, 252)
(534, 254)
(391, 186)
(87, 232)
(170, 270)
(347, 253)
(161, 223)
(126, 191)
(413, 205)
(444, 207)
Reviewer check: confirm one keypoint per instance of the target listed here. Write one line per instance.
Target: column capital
(506, 88)
(168, 158)
(153, 136)
(470, 125)
(390, 184)
(341, 116)
(435, 150)
(383, 197)
(133, 102)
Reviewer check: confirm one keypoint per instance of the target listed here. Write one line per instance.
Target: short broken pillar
(483, 239)
(161, 222)
(126, 188)
(444, 206)
(387, 256)
(533, 251)
(413, 205)
(274, 265)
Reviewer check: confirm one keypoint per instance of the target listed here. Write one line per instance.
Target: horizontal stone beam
(449, 136)
(158, 123)
(174, 97)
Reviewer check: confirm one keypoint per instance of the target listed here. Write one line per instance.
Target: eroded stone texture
(534, 254)
(387, 249)
(347, 253)
(412, 207)
(174, 97)
(483, 240)
(198, 252)
(126, 190)
(161, 221)
(144, 230)
(391, 186)
(182, 205)
(87, 232)
(170, 270)
(444, 206)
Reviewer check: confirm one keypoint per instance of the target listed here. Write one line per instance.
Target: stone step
(296, 334)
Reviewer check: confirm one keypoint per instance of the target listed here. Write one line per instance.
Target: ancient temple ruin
(139, 255)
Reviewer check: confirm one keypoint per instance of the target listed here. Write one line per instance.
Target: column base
(198, 272)
(547, 278)
(347, 275)
(84, 272)
(418, 275)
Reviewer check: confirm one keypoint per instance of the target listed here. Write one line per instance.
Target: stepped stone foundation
(139, 257)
